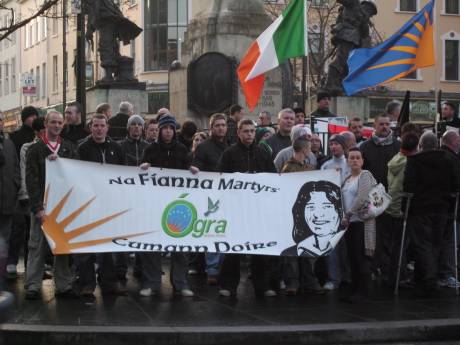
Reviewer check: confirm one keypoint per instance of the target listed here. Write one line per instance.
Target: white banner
(107, 208)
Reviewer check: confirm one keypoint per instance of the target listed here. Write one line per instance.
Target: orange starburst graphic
(56, 230)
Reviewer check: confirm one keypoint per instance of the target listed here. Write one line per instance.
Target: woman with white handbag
(360, 236)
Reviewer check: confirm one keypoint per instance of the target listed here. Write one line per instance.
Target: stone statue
(106, 17)
(351, 31)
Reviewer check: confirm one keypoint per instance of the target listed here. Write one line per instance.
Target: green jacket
(396, 167)
(35, 170)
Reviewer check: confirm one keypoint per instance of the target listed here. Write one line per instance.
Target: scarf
(388, 140)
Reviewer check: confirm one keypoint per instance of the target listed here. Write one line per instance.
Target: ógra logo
(180, 218)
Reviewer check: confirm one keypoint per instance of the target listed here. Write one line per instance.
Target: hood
(397, 164)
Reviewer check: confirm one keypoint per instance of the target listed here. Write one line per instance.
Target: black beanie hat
(27, 112)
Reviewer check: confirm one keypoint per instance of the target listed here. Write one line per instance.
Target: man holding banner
(49, 147)
(247, 157)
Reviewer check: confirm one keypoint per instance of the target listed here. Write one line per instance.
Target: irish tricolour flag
(285, 38)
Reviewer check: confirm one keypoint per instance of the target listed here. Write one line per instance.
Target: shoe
(32, 295)
(11, 272)
(225, 293)
(329, 286)
(186, 293)
(192, 271)
(282, 285)
(212, 281)
(47, 275)
(315, 290)
(291, 291)
(117, 290)
(67, 294)
(147, 292)
(270, 293)
(449, 283)
(87, 292)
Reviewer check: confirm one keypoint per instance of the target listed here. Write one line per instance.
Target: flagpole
(436, 77)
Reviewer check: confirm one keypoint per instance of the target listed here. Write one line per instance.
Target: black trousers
(360, 264)
(106, 273)
(427, 234)
(265, 272)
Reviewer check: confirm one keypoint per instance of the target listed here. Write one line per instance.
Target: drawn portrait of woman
(317, 214)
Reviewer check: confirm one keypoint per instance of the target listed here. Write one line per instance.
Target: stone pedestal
(227, 27)
(114, 94)
(350, 107)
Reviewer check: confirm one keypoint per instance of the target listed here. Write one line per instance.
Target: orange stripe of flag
(393, 63)
(252, 89)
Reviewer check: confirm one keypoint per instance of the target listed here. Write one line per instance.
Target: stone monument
(118, 82)
(217, 37)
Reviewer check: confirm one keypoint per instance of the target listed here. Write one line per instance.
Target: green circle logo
(178, 218)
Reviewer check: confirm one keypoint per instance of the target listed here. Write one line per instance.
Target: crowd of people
(420, 172)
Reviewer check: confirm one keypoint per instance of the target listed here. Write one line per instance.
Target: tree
(14, 23)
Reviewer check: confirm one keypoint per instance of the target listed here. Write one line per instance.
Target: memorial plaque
(212, 83)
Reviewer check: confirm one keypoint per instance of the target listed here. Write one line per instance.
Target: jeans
(447, 255)
(151, 271)
(19, 234)
(382, 256)
(38, 251)
(213, 263)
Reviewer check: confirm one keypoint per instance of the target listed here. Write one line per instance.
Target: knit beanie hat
(27, 112)
(299, 131)
(166, 120)
(135, 119)
(260, 132)
(340, 140)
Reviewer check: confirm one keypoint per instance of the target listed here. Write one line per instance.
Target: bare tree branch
(11, 27)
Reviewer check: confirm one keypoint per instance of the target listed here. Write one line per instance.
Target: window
(55, 20)
(31, 35)
(412, 75)
(451, 60)
(37, 30)
(26, 36)
(408, 5)
(37, 82)
(165, 24)
(7, 77)
(44, 90)
(7, 23)
(55, 73)
(44, 27)
(452, 7)
(13, 75)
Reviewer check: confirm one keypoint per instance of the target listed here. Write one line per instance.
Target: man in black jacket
(21, 222)
(50, 146)
(431, 177)
(168, 153)
(451, 144)
(74, 129)
(282, 138)
(101, 149)
(236, 114)
(247, 157)
(206, 158)
(377, 151)
(117, 123)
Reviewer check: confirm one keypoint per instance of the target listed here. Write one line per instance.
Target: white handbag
(376, 203)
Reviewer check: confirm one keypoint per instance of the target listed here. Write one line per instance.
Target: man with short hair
(299, 116)
(431, 177)
(117, 123)
(265, 119)
(186, 133)
(105, 109)
(151, 132)
(449, 115)
(282, 138)
(74, 129)
(450, 143)
(206, 158)
(323, 100)
(256, 160)
(392, 109)
(377, 151)
(99, 148)
(25, 134)
(236, 114)
(350, 139)
(50, 147)
(298, 131)
(355, 125)
(133, 146)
